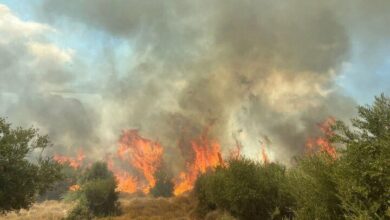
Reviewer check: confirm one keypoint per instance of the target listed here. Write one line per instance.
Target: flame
(74, 187)
(143, 154)
(322, 142)
(126, 182)
(264, 156)
(206, 155)
(73, 162)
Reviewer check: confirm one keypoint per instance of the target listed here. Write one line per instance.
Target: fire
(126, 182)
(74, 187)
(206, 155)
(323, 143)
(73, 162)
(143, 154)
(264, 156)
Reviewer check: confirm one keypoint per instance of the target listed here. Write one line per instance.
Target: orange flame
(74, 187)
(126, 182)
(323, 143)
(206, 155)
(264, 156)
(143, 154)
(73, 162)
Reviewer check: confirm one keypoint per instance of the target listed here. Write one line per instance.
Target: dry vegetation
(48, 210)
(133, 207)
(157, 208)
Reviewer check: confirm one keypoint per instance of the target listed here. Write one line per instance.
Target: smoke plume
(247, 70)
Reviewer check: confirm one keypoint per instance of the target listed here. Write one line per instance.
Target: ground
(133, 207)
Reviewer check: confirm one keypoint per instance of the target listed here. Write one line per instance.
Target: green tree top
(23, 175)
(364, 168)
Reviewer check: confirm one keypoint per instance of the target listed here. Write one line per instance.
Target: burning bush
(248, 190)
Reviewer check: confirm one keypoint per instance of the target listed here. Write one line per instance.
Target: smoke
(251, 70)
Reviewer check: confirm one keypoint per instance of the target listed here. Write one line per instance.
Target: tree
(364, 168)
(24, 172)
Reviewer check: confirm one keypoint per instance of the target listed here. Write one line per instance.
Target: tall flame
(143, 154)
(206, 155)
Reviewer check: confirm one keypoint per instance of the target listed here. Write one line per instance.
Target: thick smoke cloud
(252, 70)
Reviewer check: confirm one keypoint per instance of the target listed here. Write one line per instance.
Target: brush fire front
(137, 159)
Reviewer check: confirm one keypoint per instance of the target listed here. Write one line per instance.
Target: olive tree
(24, 172)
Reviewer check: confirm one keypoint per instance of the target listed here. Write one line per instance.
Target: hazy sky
(84, 70)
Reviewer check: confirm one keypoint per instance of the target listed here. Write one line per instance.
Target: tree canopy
(363, 172)
(24, 172)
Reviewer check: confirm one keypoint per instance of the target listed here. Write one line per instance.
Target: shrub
(101, 198)
(246, 189)
(97, 193)
(80, 212)
(164, 185)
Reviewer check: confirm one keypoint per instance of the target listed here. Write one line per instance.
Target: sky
(82, 71)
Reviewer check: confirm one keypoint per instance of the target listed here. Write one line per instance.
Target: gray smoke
(254, 70)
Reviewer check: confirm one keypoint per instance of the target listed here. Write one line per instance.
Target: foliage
(101, 197)
(97, 171)
(164, 185)
(363, 175)
(353, 185)
(97, 193)
(246, 189)
(24, 172)
(80, 212)
(314, 188)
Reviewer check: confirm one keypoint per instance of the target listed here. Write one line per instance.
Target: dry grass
(147, 208)
(47, 210)
(133, 207)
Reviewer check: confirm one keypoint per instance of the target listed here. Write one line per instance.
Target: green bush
(80, 212)
(101, 198)
(164, 185)
(97, 193)
(246, 189)
(97, 171)
(314, 188)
